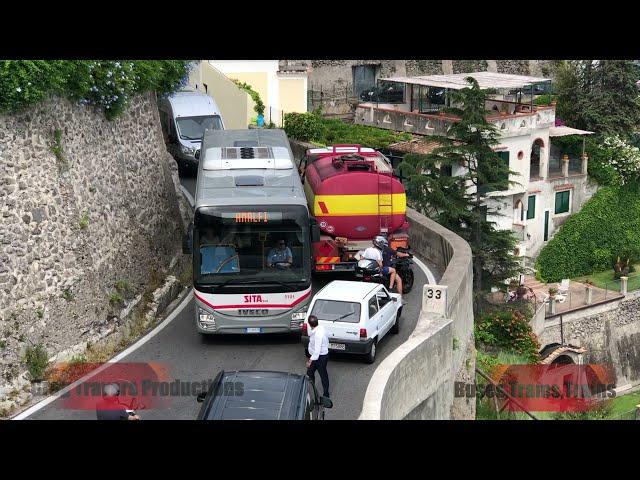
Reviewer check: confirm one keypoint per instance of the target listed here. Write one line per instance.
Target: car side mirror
(197, 154)
(187, 241)
(326, 402)
(201, 396)
(394, 299)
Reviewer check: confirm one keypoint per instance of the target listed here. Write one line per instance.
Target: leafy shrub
(508, 330)
(107, 84)
(545, 99)
(580, 248)
(313, 127)
(37, 360)
(599, 411)
(303, 126)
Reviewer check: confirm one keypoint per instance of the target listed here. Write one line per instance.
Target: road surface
(192, 357)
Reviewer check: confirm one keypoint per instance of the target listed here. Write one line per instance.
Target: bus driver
(279, 254)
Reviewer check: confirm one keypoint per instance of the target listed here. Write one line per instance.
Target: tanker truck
(352, 193)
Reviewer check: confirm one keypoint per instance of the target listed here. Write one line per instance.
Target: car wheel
(396, 326)
(371, 356)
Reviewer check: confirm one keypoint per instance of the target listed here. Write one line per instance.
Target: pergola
(486, 80)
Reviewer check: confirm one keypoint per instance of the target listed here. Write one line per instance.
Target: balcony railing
(514, 119)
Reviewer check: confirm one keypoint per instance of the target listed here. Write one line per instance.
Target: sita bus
(251, 235)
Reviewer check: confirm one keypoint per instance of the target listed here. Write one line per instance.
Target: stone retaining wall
(105, 209)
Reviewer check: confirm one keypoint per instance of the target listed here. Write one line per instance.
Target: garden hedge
(608, 225)
(106, 84)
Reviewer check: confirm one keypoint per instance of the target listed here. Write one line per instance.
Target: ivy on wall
(255, 96)
(581, 248)
(106, 84)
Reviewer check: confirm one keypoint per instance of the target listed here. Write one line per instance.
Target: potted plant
(553, 292)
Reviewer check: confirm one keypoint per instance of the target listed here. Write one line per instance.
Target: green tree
(600, 96)
(459, 201)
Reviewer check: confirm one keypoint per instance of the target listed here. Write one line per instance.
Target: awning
(485, 80)
(564, 131)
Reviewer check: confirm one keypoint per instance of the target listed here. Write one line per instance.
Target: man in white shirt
(318, 354)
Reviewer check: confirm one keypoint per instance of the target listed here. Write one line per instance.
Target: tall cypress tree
(458, 201)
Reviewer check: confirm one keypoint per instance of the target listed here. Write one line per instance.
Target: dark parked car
(383, 94)
(256, 395)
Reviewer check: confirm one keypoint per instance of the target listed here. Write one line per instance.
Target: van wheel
(371, 356)
(396, 326)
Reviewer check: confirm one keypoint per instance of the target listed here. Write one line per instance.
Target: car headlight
(298, 315)
(187, 150)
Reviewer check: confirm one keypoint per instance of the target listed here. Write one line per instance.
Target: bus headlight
(206, 318)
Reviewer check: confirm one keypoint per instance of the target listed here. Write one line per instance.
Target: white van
(184, 117)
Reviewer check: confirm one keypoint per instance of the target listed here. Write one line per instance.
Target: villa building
(548, 184)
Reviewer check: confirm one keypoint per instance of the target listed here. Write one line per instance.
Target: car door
(387, 309)
(374, 322)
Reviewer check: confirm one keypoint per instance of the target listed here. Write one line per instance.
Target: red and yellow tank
(354, 196)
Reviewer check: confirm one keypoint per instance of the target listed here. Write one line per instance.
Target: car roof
(345, 290)
(266, 395)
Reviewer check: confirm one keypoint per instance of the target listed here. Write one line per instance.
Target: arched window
(534, 162)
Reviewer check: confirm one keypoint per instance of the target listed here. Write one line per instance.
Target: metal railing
(575, 300)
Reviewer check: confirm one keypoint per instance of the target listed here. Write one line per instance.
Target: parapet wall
(416, 381)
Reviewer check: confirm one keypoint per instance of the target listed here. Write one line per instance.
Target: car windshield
(192, 128)
(333, 310)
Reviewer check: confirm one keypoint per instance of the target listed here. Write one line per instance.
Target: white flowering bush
(106, 84)
(622, 157)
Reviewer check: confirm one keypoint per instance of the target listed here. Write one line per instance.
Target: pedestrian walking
(318, 354)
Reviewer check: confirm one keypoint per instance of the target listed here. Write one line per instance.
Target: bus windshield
(235, 245)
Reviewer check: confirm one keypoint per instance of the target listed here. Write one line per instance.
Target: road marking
(426, 270)
(52, 398)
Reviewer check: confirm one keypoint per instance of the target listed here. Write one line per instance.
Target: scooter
(369, 271)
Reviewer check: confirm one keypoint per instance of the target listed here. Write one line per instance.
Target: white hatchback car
(355, 315)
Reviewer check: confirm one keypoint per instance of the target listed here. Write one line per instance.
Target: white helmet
(380, 242)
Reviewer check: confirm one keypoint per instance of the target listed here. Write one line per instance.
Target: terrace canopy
(563, 131)
(485, 80)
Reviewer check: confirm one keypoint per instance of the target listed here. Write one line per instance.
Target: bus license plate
(253, 329)
(337, 346)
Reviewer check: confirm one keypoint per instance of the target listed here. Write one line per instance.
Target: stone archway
(535, 161)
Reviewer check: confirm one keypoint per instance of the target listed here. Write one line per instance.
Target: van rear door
(340, 319)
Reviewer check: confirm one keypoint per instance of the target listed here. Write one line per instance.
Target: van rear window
(333, 310)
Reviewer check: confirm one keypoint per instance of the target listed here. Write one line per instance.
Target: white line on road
(39, 406)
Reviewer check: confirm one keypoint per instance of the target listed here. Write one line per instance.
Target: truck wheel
(407, 282)
(396, 326)
(371, 356)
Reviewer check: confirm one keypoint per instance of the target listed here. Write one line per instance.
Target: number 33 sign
(434, 299)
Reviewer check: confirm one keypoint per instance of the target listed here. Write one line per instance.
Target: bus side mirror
(187, 241)
(315, 231)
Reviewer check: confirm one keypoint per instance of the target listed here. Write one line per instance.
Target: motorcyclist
(110, 408)
(382, 253)
(388, 254)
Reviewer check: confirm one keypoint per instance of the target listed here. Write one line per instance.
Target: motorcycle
(369, 271)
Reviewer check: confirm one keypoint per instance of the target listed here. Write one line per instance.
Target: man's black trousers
(321, 366)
